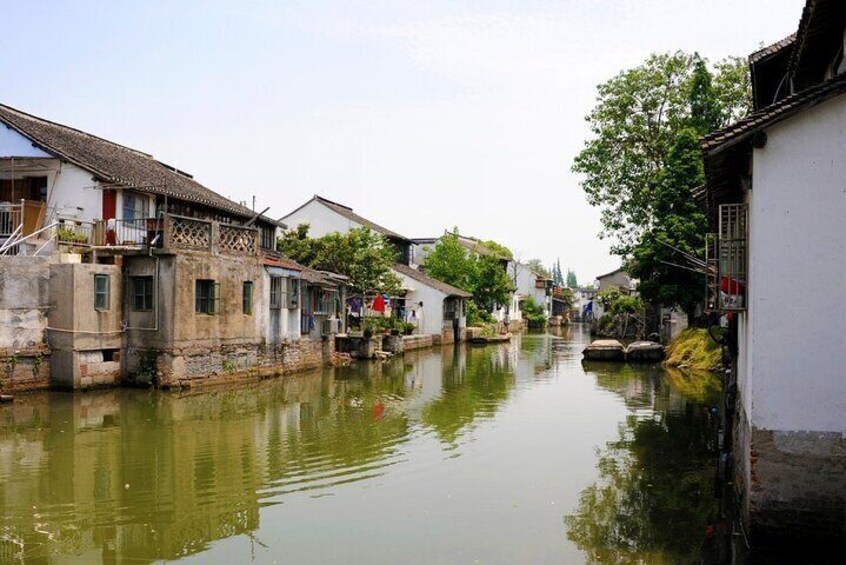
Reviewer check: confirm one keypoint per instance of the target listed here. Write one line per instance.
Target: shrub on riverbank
(694, 349)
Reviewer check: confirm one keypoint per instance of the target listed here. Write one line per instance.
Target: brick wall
(25, 371)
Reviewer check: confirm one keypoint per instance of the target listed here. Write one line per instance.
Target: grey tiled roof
(115, 164)
(773, 114)
(772, 49)
(447, 289)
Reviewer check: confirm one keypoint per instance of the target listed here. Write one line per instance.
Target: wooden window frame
(206, 297)
(102, 296)
(142, 293)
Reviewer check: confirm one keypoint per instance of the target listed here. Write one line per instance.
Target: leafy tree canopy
(638, 115)
(502, 251)
(481, 275)
(572, 282)
(362, 255)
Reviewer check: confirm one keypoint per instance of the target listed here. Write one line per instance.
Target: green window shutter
(216, 299)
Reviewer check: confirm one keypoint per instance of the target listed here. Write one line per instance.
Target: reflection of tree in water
(654, 497)
(469, 393)
(536, 346)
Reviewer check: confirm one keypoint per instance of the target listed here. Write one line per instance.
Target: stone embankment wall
(791, 484)
(411, 342)
(192, 367)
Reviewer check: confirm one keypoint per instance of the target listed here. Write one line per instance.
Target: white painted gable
(13, 144)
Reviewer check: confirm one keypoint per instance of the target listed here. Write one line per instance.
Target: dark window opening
(110, 355)
(268, 237)
(276, 292)
(293, 293)
(247, 298)
(207, 297)
(142, 293)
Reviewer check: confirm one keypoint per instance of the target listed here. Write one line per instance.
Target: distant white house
(447, 317)
(437, 308)
(777, 203)
(531, 284)
(508, 313)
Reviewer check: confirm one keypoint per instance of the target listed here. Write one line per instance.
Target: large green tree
(679, 223)
(635, 123)
(361, 254)
(482, 275)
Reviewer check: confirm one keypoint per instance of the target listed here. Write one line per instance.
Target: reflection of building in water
(105, 478)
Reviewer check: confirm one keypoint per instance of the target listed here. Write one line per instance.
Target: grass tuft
(694, 349)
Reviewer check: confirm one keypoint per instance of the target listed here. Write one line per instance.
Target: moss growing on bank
(694, 349)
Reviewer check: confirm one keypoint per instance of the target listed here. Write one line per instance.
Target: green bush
(535, 316)
(379, 324)
(626, 305)
(477, 316)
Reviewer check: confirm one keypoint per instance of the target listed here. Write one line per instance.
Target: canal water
(514, 453)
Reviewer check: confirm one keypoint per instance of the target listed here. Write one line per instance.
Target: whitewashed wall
(795, 363)
(432, 319)
(321, 220)
(71, 191)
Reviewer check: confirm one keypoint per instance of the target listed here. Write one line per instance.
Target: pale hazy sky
(422, 115)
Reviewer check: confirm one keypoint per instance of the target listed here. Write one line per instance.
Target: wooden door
(109, 204)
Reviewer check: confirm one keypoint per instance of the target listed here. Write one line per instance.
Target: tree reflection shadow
(654, 498)
(475, 384)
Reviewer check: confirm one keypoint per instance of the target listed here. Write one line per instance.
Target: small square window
(142, 293)
(207, 297)
(247, 298)
(102, 284)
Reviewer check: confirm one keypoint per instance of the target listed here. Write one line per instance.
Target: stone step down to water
(613, 350)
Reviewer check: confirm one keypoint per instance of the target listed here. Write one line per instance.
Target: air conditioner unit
(331, 326)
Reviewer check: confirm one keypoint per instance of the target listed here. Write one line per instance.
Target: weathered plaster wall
(231, 325)
(85, 342)
(24, 302)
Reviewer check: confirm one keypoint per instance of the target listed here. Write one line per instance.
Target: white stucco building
(438, 307)
(776, 199)
(531, 284)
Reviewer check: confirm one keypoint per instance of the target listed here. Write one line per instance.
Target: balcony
(171, 232)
